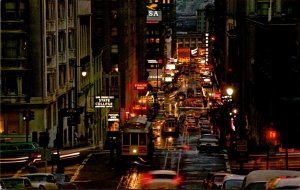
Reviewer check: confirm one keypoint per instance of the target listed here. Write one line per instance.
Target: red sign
(140, 86)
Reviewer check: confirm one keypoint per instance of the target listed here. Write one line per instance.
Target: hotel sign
(104, 101)
(154, 15)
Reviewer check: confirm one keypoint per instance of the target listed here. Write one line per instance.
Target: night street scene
(150, 94)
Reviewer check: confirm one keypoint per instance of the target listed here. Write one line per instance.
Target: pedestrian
(75, 138)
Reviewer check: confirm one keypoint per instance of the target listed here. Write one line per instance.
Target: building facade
(49, 45)
(258, 57)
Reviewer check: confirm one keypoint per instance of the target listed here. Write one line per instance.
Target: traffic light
(31, 115)
(24, 115)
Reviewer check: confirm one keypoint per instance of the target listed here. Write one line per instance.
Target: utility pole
(28, 115)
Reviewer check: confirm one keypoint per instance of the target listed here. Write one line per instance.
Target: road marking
(74, 177)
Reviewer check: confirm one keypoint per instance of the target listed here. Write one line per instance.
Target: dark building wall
(260, 54)
(266, 48)
(36, 48)
(140, 46)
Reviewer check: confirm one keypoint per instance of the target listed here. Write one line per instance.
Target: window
(50, 83)
(70, 9)
(50, 46)
(9, 85)
(114, 14)
(13, 122)
(61, 9)
(1, 123)
(22, 10)
(9, 11)
(142, 139)
(134, 139)
(10, 47)
(71, 39)
(61, 41)
(262, 8)
(126, 139)
(114, 49)
(114, 31)
(50, 11)
(62, 75)
(114, 81)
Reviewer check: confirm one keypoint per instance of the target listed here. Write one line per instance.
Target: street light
(83, 73)
(229, 91)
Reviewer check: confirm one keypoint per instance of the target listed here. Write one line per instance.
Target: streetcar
(170, 126)
(136, 138)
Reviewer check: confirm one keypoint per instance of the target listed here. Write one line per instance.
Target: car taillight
(146, 178)
(178, 179)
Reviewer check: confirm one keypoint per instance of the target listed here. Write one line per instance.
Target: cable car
(136, 138)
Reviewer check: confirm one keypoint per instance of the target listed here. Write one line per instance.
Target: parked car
(258, 179)
(208, 145)
(63, 181)
(42, 180)
(16, 183)
(161, 179)
(214, 180)
(232, 182)
(15, 149)
(205, 129)
(283, 183)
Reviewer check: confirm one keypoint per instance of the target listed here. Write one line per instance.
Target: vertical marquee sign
(113, 121)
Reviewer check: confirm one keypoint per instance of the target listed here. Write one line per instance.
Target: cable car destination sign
(104, 101)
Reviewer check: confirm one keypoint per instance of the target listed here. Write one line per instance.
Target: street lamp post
(77, 112)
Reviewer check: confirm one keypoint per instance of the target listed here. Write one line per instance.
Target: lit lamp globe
(83, 73)
(229, 91)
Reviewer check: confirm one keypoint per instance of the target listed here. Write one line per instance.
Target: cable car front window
(134, 139)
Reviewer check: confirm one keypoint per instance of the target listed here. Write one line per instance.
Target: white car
(284, 183)
(160, 179)
(258, 179)
(42, 180)
(232, 182)
(208, 145)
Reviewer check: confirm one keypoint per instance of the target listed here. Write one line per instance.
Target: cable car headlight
(134, 151)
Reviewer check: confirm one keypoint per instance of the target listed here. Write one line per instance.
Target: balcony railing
(62, 24)
(71, 23)
(50, 26)
(62, 58)
(51, 62)
(72, 54)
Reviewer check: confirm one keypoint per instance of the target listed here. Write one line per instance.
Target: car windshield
(163, 176)
(233, 184)
(13, 183)
(256, 186)
(218, 178)
(37, 178)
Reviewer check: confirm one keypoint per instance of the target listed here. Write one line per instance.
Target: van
(258, 179)
(19, 148)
